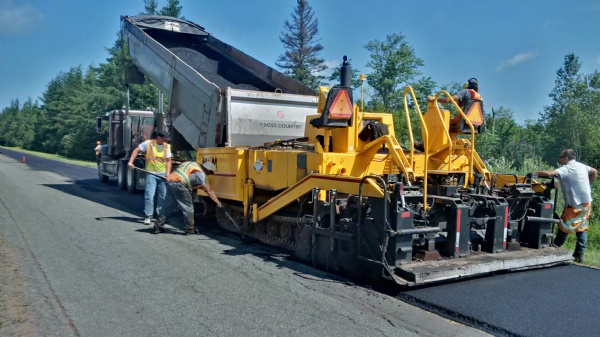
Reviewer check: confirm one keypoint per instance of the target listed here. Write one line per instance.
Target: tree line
(63, 120)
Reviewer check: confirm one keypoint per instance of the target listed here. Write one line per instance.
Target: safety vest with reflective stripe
(184, 171)
(156, 161)
(475, 96)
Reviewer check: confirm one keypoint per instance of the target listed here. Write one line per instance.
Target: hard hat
(209, 166)
(472, 83)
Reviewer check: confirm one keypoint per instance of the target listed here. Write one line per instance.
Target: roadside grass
(592, 258)
(592, 254)
(53, 157)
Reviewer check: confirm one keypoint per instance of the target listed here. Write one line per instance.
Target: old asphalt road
(76, 261)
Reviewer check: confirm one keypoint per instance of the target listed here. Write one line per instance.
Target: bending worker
(189, 176)
(576, 181)
(158, 162)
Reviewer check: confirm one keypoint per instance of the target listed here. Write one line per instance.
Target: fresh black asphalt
(558, 301)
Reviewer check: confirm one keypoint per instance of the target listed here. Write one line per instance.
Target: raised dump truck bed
(218, 95)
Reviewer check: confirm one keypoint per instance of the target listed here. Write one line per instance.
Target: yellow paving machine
(348, 197)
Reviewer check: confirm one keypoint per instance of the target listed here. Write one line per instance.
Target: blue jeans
(561, 237)
(155, 188)
(180, 194)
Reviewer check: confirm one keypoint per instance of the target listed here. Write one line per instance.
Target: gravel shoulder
(15, 315)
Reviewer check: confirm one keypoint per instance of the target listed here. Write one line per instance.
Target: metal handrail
(425, 133)
(447, 129)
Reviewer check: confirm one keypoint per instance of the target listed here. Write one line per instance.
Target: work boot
(149, 221)
(191, 231)
(158, 229)
(579, 258)
(162, 220)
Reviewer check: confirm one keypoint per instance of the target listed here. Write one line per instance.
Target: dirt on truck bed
(208, 67)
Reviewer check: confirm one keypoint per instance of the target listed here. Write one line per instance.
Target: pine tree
(301, 59)
(172, 8)
(149, 7)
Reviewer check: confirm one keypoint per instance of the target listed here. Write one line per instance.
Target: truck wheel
(131, 180)
(121, 175)
(101, 176)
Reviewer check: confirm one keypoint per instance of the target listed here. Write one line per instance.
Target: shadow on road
(104, 194)
(283, 259)
(83, 183)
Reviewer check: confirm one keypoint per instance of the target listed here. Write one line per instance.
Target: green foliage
(572, 119)
(301, 59)
(72, 101)
(172, 8)
(507, 165)
(394, 65)
(149, 7)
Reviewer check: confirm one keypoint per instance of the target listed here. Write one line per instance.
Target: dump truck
(346, 196)
(126, 130)
(218, 96)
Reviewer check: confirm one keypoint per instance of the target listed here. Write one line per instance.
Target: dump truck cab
(126, 130)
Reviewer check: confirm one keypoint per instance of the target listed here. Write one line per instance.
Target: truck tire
(101, 176)
(131, 180)
(121, 175)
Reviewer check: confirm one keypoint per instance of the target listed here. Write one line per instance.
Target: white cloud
(18, 19)
(333, 63)
(516, 60)
(330, 66)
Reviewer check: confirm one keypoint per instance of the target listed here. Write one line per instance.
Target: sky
(513, 47)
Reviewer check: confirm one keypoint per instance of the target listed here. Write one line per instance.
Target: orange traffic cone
(23, 160)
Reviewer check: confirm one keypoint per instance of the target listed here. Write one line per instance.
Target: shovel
(234, 223)
(152, 173)
(245, 238)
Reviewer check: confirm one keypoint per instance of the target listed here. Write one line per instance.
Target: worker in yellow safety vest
(158, 161)
(181, 183)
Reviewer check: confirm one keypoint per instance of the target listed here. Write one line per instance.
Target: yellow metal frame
(425, 134)
(325, 182)
(470, 174)
(342, 169)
